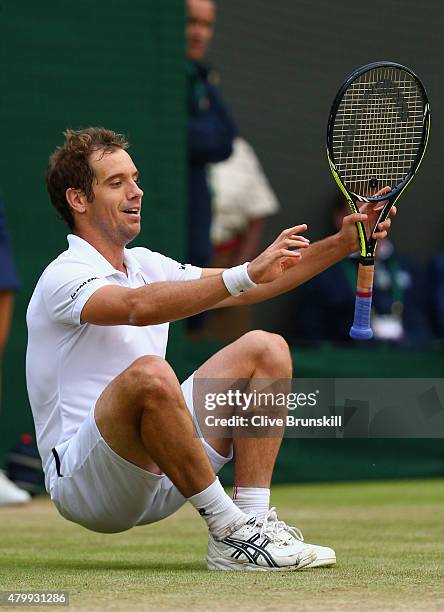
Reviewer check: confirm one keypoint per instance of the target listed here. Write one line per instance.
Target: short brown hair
(69, 165)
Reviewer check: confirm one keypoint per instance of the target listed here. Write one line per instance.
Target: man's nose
(136, 191)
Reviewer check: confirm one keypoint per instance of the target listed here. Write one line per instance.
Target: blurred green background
(103, 63)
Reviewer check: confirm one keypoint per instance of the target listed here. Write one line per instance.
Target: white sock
(218, 509)
(250, 499)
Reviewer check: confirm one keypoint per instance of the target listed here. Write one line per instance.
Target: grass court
(388, 536)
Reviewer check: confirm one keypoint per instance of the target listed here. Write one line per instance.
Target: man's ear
(76, 199)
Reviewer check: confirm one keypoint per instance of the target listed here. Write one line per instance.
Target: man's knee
(270, 351)
(151, 377)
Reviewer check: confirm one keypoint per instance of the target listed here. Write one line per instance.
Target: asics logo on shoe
(250, 549)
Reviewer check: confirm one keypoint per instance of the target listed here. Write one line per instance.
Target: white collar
(92, 255)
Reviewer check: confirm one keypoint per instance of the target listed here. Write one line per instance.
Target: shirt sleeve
(159, 267)
(176, 271)
(66, 289)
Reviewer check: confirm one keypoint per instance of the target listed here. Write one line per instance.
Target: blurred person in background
(400, 313)
(9, 283)
(436, 275)
(211, 131)
(242, 200)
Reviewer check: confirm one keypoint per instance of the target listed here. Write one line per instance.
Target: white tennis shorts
(95, 487)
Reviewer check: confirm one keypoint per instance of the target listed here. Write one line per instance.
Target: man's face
(115, 210)
(200, 26)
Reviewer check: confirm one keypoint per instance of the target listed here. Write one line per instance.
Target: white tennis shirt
(68, 364)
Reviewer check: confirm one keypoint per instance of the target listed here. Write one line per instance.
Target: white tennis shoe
(324, 555)
(10, 493)
(254, 546)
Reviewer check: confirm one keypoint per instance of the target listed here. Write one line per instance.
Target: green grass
(388, 537)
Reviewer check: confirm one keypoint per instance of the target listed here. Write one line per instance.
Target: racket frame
(361, 328)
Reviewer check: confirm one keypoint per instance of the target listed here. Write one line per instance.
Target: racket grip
(361, 329)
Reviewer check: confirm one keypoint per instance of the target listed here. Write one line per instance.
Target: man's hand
(279, 256)
(368, 214)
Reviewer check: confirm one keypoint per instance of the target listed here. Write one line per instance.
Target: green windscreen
(108, 63)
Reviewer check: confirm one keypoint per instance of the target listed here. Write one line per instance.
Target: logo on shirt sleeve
(76, 292)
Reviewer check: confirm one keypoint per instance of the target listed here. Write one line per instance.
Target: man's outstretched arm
(315, 259)
(275, 271)
(166, 301)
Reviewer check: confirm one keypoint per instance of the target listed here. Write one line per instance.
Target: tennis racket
(376, 137)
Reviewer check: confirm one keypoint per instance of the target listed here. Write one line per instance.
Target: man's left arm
(314, 259)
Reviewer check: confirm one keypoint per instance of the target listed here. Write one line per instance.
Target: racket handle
(361, 329)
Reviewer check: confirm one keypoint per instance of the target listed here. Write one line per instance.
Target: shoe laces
(274, 529)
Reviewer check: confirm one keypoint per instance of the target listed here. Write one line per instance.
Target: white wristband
(237, 279)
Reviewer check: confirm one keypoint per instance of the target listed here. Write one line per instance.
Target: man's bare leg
(256, 355)
(142, 415)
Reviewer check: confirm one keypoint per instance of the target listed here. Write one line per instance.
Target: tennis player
(114, 425)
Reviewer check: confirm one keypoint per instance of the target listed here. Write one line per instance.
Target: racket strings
(378, 130)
